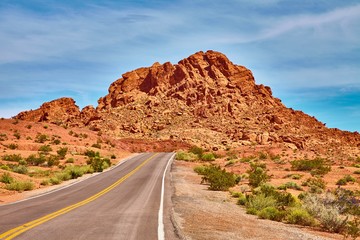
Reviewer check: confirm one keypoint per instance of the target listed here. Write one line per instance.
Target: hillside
(204, 100)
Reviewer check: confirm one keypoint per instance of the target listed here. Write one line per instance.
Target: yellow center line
(27, 226)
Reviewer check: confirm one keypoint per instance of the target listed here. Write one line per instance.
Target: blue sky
(308, 52)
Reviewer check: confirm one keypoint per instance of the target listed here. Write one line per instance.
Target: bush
(62, 152)
(316, 185)
(290, 185)
(184, 156)
(17, 135)
(217, 178)
(256, 203)
(12, 157)
(45, 149)
(325, 209)
(197, 151)
(20, 186)
(315, 166)
(91, 153)
(41, 138)
(96, 145)
(345, 180)
(12, 146)
(99, 164)
(70, 160)
(257, 174)
(208, 157)
(52, 160)
(6, 178)
(21, 169)
(35, 160)
(299, 216)
(271, 213)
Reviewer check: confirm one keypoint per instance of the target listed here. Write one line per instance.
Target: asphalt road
(122, 203)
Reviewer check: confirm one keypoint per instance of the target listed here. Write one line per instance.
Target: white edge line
(71, 184)
(161, 232)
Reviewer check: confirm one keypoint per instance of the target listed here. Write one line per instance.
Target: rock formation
(205, 99)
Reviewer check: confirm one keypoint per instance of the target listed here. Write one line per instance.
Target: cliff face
(205, 99)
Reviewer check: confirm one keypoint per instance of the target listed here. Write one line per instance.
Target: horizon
(308, 52)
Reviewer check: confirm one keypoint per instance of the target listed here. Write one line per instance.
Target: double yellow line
(27, 226)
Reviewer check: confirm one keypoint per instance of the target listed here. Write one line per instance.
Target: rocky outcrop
(62, 110)
(205, 99)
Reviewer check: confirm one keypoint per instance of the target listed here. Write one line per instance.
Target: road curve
(122, 203)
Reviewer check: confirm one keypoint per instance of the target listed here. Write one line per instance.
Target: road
(122, 203)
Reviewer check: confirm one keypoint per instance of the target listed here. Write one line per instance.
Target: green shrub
(45, 182)
(316, 185)
(357, 172)
(12, 157)
(208, 157)
(184, 156)
(41, 138)
(3, 137)
(257, 174)
(6, 178)
(45, 149)
(70, 160)
(56, 141)
(62, 152)
(353, 228)
(197, 151)
(91, 153)
(256, 203)
(315, 166)
(299, 216)
(271, 213)
(294, 176)
(17, 135)
(113, 156)
(21, 169)
(290, 185)
(20, 186)
(36, 160)
(52, 160)
(12, 146)
(217, 178)
(96, 145)
(262, 156)
(98, 164)
(345, 180)
(55, 181)
(241, 200)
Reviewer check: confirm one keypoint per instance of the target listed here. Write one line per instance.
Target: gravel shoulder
(203, 214)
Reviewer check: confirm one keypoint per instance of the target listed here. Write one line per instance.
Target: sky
(307, 51)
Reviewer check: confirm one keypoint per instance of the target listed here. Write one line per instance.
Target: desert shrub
(300, 216)
(113, 156)
(326, 211)
(36, 160)
(197, 150)
(256, 203)
(315, 166)
(353, 228)
(208, 157)
(12, 157)
(357, 172)
(99, 164)
(5, 167)
(262, 156)
(70, 160)
(39, 173)
(201, 170)
(96, 145)
(74, 171)
(316, 185)
(247, 159)
(21, 169)
(29, 126)
(3, 137)
(17, 135)
(271, 213)
(345, 180)
(62, 152)
(6, 178)
(217, 178)
(283, 199)
(294, 176)
(184, 156)
(290, 185)
(56, 141)
(241, 200)
(20, 186)
(91, 153)
(54, 181)
(52, 160)
(45, 149)
(12, 146)
(257, 174)
(41, 138)
(45, 182)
